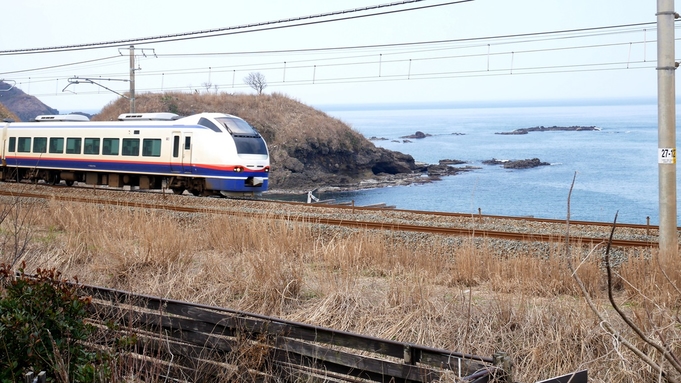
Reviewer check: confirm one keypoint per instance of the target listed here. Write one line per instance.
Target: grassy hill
(308, 148)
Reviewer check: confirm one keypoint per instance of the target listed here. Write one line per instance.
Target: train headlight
(238, 169)
(267, 169)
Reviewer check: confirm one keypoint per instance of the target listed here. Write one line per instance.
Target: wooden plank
(199, 333)
(185, 330)
(229, 322)
(350, 364)
(229, 325)
(222, 323)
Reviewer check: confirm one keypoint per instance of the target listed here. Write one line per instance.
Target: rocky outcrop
(417, 135)
(517, 164)
(451, 162)
(312, 166)
(441, 170)
(550, 129)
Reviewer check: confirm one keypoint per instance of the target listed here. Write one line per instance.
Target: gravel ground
(345, 212)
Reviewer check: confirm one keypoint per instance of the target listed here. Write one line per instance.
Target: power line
(277, 65)
(269, 25)
(553, 35)
(505, 71)
(429, 46)
(60, 65)
(404, 44)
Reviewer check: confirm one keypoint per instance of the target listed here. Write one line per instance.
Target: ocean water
(616, 167)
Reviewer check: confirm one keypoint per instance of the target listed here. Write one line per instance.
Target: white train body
(207, 153)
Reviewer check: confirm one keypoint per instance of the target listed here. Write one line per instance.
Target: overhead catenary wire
(552, 36)
(517, 71)
(255, 27)
(383, 51)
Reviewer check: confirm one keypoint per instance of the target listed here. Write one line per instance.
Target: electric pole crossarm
(78, 80)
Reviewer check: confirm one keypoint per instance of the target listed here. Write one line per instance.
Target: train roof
(133, 119)
(148, 117)
(61, 117)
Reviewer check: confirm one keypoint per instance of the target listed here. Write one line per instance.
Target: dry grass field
(431, 290)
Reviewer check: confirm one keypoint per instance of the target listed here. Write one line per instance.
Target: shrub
(43, 328)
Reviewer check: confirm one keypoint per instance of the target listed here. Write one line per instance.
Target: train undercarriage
(178, 184)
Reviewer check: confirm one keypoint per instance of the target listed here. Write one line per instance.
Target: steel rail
(367, 225)
(419, 212)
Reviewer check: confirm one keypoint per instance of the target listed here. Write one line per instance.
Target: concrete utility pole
(666, 119)
(132, 79)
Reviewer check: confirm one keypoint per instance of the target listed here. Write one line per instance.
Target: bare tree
(256, 80)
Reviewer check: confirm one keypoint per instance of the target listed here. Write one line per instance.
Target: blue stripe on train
(148, 168)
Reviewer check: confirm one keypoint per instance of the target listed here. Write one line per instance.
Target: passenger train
(204, 154)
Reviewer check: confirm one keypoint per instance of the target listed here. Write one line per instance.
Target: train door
(181, 157)
(187, 153)
(3, 143)
(176, 155)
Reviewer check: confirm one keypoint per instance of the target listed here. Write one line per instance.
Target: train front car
(231, 157)
(203, 154)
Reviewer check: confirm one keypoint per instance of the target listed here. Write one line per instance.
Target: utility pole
(666, 119)
(132, 79)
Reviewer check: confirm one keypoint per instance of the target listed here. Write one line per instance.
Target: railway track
(103, 196)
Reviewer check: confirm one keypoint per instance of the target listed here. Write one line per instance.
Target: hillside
(7, 114)
(308, 148)
(24, 106)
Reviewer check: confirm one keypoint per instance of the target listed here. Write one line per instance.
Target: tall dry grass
(463, 294)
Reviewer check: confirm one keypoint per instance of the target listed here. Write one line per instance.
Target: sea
(615, 168)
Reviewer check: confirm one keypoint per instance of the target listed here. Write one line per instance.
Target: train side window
(131, 147)
(187, 143)
(110, 146)
(151, 147)
(24, 145)
(40, 145)
(56, 145)
(73, 145)
(209, 124)
(91, 146)
(12, 144)
(176, 146)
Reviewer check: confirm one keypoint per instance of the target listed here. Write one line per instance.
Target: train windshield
(237, 126)
(246, 139)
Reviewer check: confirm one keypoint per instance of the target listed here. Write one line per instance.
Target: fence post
(505, 365)
(648, 225)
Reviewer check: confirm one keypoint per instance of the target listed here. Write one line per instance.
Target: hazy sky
(480, 50)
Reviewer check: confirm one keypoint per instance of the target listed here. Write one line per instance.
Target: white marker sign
(666, 155)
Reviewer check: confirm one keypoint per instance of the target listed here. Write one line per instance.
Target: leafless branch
(662, 350)
(605, 324)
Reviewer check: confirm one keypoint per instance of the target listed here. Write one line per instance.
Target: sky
(476, 51)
